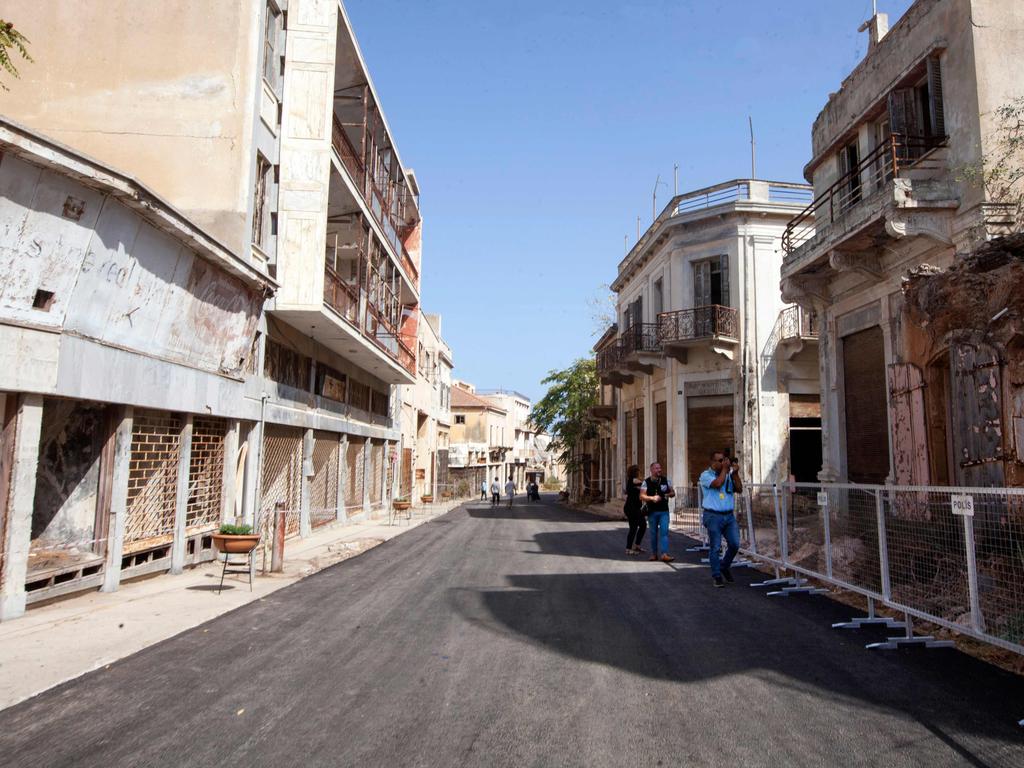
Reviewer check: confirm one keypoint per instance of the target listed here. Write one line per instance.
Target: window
(711, 282)
(261, 203)
(271, 33)
(460, 419)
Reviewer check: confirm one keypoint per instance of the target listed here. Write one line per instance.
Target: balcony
(904, 179)
(389, 201)
(713, 326)
(610, 366)
(796, 328)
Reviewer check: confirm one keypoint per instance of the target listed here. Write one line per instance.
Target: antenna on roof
(753, 149)
(675, 179)
(638, 228)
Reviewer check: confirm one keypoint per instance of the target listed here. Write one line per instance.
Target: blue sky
(537, 129)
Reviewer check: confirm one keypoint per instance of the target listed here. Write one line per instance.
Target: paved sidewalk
(58, 642)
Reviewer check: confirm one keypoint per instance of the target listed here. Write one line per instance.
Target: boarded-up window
(286, 366)
(641, 447)
(405, 489)
(152, 480)
(282, 476)
(977, 426)
(379, 403)
(323, 486)
(661, 435)
(354, 473)
(627, 449)
(909, 430)
(359, 395)
(330, 383)
(867, 424)
(709, 427)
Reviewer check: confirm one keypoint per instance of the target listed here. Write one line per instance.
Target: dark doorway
(805, 449)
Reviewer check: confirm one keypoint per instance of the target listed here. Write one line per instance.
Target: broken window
(271, 34)
(711, 282)
(261, 203)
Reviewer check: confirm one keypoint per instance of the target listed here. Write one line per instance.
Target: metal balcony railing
(641, 337)
(890, 159)
(797, 323)
(713, 321)
(610, 358)
(380, 202)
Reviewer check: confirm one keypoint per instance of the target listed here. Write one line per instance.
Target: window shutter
(724, 265)
(899, 101)
(701, 283)
(938, 119)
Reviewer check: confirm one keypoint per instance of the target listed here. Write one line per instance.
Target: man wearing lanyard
(655, 492)
(720, 483)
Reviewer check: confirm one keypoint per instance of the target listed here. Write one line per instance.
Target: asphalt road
(524, 637)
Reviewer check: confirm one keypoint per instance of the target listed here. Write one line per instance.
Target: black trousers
(637, 527)
(495, 498)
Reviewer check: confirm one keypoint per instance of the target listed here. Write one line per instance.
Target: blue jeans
(658, 522)
(721, 524)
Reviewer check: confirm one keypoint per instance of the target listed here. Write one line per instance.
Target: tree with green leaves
(564, 412)
(11, 40)
(1000, 172)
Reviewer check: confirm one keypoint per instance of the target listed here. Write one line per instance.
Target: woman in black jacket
(633, 510)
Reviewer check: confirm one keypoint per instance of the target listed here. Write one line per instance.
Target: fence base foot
(867, 621)
(871, 620)
(787, 591)
(773, 582)
(926, 640)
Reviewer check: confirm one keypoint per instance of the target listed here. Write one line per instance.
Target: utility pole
(654, 199)
(753, 149)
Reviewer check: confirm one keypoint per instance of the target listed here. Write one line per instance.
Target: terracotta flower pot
(401, 506)
(236, 544)
(426, 499)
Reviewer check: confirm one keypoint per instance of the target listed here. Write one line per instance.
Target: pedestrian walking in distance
(483, 490)
(510, 490)
(634, 511)
(720, 483)
(495, 493)
(656, 492)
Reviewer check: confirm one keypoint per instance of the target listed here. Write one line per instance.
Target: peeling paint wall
(76, 260)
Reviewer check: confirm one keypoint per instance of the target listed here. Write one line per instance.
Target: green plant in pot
(426, 498)
(401, 503)
(235, 539)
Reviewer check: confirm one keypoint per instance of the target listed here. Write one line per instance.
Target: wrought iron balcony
(797, 323)
(641, 338)
(687, 328)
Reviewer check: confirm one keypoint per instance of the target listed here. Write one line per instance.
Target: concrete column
(342, 476)
(367, 474)
(181, 497)
(649, 445)
(830, 413)
(118, 502)
(20, 499)
(305, 524)
(679, 435)
(250, 482)
(889, 357)
(229, 483)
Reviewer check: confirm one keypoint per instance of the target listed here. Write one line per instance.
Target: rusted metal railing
(712, 321)
(888, 160)
(610, 358)
(796, 322)
(641, 337)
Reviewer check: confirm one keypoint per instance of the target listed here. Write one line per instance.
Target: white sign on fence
(822, 498)
(962, 504)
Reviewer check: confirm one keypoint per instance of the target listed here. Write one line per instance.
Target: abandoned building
(265, 131)
(893, 155)
(427, 417)
(705, 354)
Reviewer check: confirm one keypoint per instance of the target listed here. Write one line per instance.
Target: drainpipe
(259, 462)
(747, 427)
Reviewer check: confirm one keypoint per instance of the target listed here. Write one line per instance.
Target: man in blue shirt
(720, 483)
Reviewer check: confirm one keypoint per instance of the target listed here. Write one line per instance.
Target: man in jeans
(720, 483)
(656, 491)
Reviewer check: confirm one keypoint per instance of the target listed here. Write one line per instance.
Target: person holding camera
(656, 492)
(720, 483)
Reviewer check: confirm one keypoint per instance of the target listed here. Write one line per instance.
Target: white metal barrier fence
(950, 556)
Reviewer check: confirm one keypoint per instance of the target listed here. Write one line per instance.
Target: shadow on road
(534, 511)
(675, 626)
